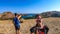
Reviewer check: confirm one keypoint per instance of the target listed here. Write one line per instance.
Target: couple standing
(39, 28)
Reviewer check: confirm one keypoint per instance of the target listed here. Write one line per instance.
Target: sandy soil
(7, 27)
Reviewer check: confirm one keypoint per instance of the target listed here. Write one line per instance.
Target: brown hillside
(7, 15)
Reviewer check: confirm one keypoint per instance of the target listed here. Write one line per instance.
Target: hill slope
(10, 15)
(51, 14)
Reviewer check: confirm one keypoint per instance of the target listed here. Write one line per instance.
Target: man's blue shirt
(16, 21)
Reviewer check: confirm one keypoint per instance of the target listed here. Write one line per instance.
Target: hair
(38, 15)
(15, 14)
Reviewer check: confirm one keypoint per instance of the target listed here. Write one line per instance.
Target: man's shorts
(17, 27)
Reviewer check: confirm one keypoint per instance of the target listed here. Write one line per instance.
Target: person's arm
(32, 31)
(36, 31)
(19, 19)
(42, 24)
(41, 21)
(46, 29)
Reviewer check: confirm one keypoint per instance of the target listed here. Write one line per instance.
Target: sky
(29, 6)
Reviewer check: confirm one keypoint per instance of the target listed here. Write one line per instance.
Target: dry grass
(7, 27)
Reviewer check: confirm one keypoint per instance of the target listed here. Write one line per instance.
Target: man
(17, 23)
(39, 28)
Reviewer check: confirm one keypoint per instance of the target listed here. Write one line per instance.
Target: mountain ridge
(8, 15)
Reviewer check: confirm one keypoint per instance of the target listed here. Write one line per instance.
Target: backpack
(44, 30)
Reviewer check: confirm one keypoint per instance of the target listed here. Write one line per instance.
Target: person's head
(16, 14)
(38, 16)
